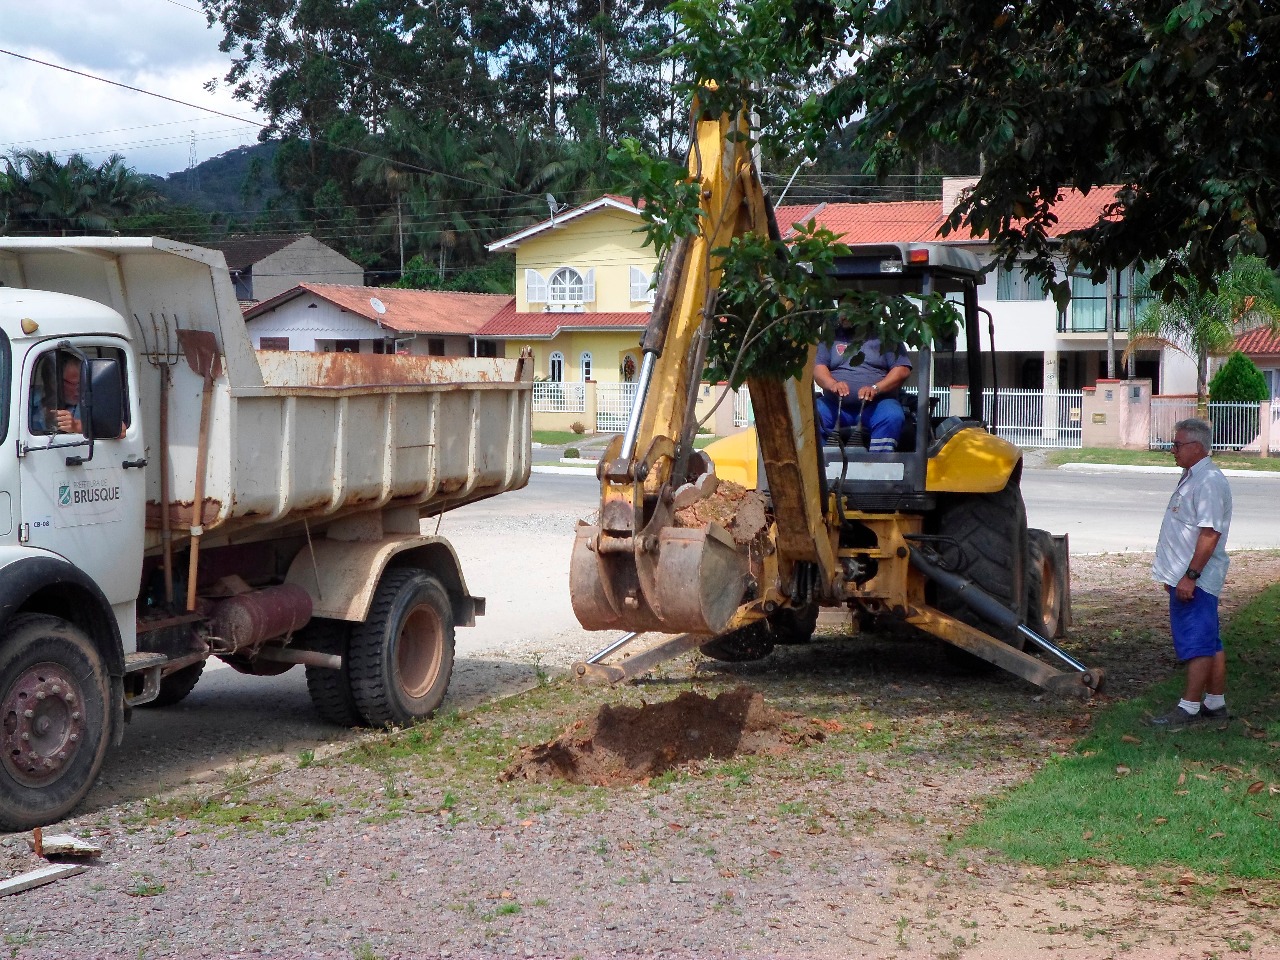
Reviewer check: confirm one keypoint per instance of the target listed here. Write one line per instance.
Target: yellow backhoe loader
(934, 535)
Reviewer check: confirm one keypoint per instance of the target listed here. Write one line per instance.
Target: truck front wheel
(53, 720)
(401, 657)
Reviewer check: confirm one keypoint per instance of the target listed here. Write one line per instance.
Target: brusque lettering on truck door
(89, 509)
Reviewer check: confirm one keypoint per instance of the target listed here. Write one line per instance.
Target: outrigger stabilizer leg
(1080, 681)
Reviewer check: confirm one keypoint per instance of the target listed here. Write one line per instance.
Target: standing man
(872, 377)
(1191, 561)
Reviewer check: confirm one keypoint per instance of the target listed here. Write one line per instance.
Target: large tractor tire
(330, 690)
(792, 626)
(175, 687)
(402, 655)
(752, 642)
(1046, 585)
(54, 720)
(991, 533)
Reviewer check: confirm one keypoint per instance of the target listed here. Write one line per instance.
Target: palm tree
(42, 195)
(1203, 321)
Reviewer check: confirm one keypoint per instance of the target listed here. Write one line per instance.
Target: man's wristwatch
(1193, 574)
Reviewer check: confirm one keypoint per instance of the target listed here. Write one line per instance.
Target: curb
(1134, 468)
(588, 469)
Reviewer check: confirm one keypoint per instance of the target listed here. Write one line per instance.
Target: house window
(1013, 284)
(643, 285)
(273, 343)
(568, 285)
(435, 346)
(346, 346)
(586, 365)
(555, 367)
(1088, 311)
(486, 348)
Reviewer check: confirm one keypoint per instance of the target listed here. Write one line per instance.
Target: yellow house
(584, 289)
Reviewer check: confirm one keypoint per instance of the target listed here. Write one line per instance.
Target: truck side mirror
(104, 417)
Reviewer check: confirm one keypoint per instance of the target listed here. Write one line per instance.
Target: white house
(330, 318)
(1035, 346)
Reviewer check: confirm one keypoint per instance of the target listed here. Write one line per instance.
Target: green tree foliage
(1171, 100)
(1204, 319)
(1239, 381)
(495, 276)
(41, 195)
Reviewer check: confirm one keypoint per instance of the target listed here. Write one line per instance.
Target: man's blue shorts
(1194, 625)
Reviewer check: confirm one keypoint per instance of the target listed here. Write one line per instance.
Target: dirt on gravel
(408, 844)
(628, 745)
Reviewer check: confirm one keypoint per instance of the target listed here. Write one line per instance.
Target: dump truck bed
(292, 436)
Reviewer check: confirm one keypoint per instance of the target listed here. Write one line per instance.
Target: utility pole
(400, 234)
(1111, 327)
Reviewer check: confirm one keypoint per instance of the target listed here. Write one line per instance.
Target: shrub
(572, 453)
(1239, 381)
(578, 427)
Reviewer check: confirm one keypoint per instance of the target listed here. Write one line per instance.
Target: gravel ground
(409, 847)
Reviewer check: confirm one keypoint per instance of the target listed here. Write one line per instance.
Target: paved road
(515, 552)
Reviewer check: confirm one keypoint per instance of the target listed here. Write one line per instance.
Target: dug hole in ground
(836, 833)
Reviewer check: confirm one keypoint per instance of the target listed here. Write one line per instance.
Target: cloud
(155, 45)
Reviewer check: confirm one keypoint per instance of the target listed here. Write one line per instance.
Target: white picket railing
(613, 406)
(742, 408)
(1021, 417)
(1236, 426)
(554, 396)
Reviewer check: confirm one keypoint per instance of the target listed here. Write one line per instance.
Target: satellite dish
(378, 305)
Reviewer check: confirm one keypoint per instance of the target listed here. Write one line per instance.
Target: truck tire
(402, 655)
(330, 690)
(1046, 585)
(176, 686)
(51, 746)
(752, 642)
(991, 532)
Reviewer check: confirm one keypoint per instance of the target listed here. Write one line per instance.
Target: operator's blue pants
(883, 418)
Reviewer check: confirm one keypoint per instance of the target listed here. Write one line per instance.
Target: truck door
(90, 512)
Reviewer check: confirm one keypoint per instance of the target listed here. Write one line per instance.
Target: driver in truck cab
(860, 384)
(55, 394)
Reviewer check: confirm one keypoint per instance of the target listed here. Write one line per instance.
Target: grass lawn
(557, 438)
(1160, 458)
(1206, 799)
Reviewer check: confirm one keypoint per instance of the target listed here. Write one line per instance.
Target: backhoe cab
(934, 535)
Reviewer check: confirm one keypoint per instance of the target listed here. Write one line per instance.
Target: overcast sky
(162, 46)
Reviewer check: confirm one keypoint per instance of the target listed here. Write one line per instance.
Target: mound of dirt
(733, 506)
(627, 745)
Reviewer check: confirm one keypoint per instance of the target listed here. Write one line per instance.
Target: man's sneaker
(1177, 718)
(1209, 713)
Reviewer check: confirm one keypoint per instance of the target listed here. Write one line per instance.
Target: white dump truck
(168, 494)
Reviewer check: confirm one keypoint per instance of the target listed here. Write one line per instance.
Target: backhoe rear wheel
(1046, 585)
(794, 625)
(402, 655)
(752, 642)
(991, 532)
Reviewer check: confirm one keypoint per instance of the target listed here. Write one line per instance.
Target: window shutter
(535, 287)
(589, 286)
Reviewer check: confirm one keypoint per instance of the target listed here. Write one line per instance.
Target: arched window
(628, 369)
(568, 285)
(586, 365)
(555, 367)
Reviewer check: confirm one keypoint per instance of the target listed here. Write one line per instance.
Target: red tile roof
(918, 221)
(1259, 342)
(543, 326)
(404, 311)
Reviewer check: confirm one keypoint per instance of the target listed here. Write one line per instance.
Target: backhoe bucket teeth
(683, 580)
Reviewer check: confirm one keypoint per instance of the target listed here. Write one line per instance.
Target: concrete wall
(304, 261)
(1117, 414)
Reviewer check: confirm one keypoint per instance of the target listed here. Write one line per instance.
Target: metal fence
(1021, 417)
(554, 396)
(742, 408)
(613, 406)
(1236, 426)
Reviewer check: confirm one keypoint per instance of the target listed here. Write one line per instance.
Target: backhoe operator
(865, 391)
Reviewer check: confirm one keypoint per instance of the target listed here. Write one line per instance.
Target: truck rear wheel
(402, 655)
(991, 532)
(176, 686)
(1046, 585)
(54, 720)
(330, 690)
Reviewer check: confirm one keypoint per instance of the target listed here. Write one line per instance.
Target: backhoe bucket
(684, 580)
